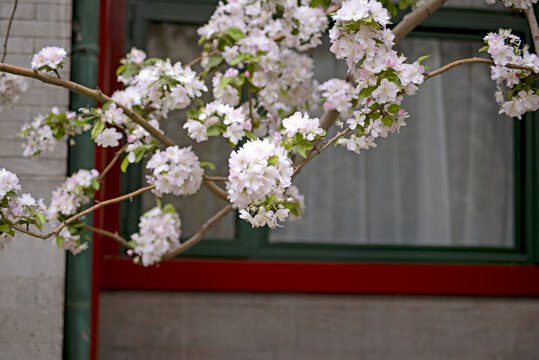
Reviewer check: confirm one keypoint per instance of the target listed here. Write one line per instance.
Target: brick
(38, 29)
(49, 12)
(46, 167)
(23, 11)
(19, 45)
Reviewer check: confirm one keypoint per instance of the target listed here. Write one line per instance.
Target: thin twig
(112, 162)
(473, 60)
(85, 212)
(530, 14)
(199, 235)
(108, 234)
(317, 152)
(215, 178)
(11, 17)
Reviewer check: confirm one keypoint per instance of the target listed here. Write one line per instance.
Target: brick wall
(32, 270)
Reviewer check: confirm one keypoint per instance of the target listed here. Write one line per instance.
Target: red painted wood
(277, 276)
(111, 37)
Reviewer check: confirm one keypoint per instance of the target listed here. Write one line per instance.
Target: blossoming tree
(256, 57)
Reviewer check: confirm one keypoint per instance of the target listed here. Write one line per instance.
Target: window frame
(327, 276)
(255, 244)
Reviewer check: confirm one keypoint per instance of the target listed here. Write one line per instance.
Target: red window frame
(112, 272)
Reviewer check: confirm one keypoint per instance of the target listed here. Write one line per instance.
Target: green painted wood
(253, 243)
(79, 268)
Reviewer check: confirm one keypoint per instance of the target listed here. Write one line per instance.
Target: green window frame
(254, 243)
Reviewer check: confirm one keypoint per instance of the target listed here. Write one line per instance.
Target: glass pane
(179, 43)
(446, 179)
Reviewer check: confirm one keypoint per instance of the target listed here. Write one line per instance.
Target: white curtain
(446, 179)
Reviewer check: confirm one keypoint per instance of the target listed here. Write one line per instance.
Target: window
(244, 263)
(453, 186)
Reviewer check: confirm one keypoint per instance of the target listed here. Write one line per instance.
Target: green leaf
(201, 40)
(302, 150)
(235, 33)
(393, 108)
(365, 93)
(121, 69)
(422, 58)
(207, 164)
(59, 241)
(41, 218)
(78, 189)
(95, 185)
(225, 81)
(98, 128)
(241, 57)
(250, 135)
(484, 48)
(107, 105)
(214, 61)
(388, 120)
(4, 227)
(169, 209)
(273, 160)
(125, 164)
(324, 3)
(215, 130)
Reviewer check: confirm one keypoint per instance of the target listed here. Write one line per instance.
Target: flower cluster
(381, 76)
(50, 58)
(337, 95)
(259, 169)
(217, 118)
(46, 131)
(69, 199)
(309, 129)
(261, 39)
(11, 86)
(139, 142)
(156, 85)
(17, 209)
(175, 171)
(73, 194)
(517, 4)
(519, 96)
(159, 232)
(273, 209)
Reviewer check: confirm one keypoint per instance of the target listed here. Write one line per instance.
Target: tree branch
(108, 234)
(112, 162)
(99, 96)
(416, 17)
(11, 17)
(472, 60)
(85, 212)
(193, 240)
(317, 152)
(94, 94)
(530, 14)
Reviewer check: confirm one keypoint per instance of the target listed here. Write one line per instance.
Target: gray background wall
(32, 270)
(247, 326)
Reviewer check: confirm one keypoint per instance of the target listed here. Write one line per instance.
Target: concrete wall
(32, 270)
(246, 326)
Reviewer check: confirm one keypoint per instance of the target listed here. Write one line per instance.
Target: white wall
(32, 270)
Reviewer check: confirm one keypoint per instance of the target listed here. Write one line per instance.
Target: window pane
(179, 43)
(446, 179)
